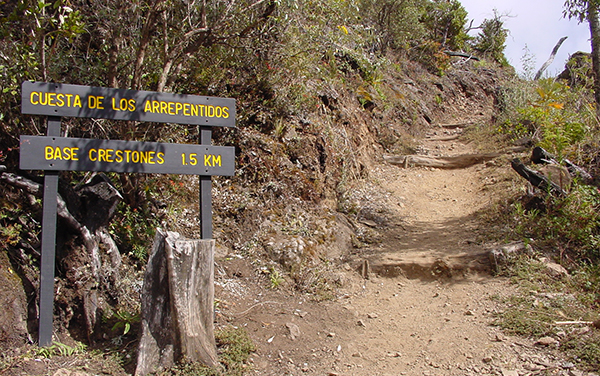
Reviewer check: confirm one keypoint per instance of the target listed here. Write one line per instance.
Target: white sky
(537, 24)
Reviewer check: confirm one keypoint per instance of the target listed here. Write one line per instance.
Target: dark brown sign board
(80, 154)
(52, 99)
(54, 153)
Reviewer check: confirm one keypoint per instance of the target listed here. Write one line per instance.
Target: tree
(446, 20)
(588, 10)
(491, 41)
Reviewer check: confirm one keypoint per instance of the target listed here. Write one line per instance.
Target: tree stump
(177, 304)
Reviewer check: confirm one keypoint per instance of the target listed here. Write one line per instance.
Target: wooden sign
(80, 154)
(54, 153)
(51, 99)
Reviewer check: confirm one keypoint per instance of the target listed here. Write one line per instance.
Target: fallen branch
(456, 125)
(461, 54)
(444, 138)
(595, 324)
(460, 161)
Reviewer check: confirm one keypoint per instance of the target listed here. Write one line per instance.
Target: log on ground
(460, 161)
(537, 179)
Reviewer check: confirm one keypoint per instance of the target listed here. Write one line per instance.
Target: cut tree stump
(177, 304)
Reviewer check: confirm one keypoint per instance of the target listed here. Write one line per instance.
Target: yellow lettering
(148, 107)
(101, 155)
(127, 154)
(216, 160)
(218, 111)
(95, 102)
(143, 157)
(74, 154)
(163, 108)
(34, 101)
(207, 160)
(135, 156)
(194, 110)
(211, 111)
(114, 107)
(151, 157)
(155, 107)
(119, 156)
(202, 107)
(225, 112)
(131, 107)
(92, 155)
(160, 157)
(69, 96)
(77, 102)
(51, 99)
(109, 155)
(44, 99)
(178, 107)
(49, 153)
(57, 153)
(186, 109)
(60, 100)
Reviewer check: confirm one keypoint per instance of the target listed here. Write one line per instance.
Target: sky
(537, 25)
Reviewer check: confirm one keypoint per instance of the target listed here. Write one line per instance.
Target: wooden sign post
(53, 153)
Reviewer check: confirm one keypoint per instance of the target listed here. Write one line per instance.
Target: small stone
(487, 359)
(294, 330)
(506, 372)
(357, 355)
(361, 323)
(372, 315)
(469, 313)
(533, 367)
(546, 341)
(331, 335)
(556, 270)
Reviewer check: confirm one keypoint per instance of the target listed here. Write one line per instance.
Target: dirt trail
(427, 305)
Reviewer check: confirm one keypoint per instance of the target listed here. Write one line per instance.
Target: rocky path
(428, 304)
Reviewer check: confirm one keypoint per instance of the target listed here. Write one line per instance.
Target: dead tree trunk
(541, 156)
(536, 179)
(550, 59)
(177, 304)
